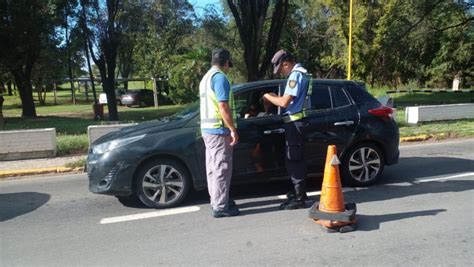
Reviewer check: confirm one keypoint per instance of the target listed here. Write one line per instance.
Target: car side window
(358, 94)
(249, 104)
(338, 96)
(320, 98)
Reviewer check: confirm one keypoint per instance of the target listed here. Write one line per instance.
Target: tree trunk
(9, 86)
(250, 16)
(109, 89)
(1, 113)
(26, 94)
(39, 91)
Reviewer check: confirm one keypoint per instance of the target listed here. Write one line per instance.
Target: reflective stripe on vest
(211, 117)
(306, 104)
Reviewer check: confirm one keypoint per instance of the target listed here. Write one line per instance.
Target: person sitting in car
(253, 110)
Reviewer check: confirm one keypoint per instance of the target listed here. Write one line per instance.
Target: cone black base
(339, 229)
(346, 216)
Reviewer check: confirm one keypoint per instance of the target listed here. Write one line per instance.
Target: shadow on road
(16, 204)
(372, 222)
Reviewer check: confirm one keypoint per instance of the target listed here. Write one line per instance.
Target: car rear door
(343, 118)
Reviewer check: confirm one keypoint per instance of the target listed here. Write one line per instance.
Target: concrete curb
(416, 138)
(25, 172)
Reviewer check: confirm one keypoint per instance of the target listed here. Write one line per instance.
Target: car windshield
(189, 111)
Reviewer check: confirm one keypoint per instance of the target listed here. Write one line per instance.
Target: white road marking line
(175, 211)
(447, 178)
(148, 215)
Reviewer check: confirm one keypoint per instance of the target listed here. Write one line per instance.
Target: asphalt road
(420, 214)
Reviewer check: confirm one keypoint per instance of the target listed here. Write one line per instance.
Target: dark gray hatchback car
(158, 162)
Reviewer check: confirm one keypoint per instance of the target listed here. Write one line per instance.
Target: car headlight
(111, 145)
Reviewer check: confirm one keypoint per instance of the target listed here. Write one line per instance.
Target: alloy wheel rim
(364, 164)
(163, 184)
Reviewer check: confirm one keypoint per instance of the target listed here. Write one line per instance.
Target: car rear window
(320, 98)
(339, 98)
(358, 94)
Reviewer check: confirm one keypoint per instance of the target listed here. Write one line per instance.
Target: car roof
(243, 86)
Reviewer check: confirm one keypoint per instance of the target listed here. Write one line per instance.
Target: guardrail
(28, 144)
(414, 115)
(430, 91)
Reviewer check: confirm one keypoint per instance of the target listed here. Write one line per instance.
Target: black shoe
(293, 204)
(231, 204)
(229, 212)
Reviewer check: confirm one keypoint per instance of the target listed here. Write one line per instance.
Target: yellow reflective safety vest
(211, 117)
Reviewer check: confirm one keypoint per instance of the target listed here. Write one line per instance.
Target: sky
(200, 4)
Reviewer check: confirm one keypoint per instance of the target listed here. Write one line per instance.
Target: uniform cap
(278, 58)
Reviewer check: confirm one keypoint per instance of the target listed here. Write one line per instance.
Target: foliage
(186, 75)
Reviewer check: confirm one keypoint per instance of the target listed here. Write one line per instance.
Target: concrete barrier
(96, 131)
(28, 144)
(413, 115)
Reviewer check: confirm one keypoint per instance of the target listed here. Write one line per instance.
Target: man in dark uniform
(294, 101)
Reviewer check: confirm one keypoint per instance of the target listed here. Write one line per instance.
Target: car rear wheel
(362, 165)
(162, 183)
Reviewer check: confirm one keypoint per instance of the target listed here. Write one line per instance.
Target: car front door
(259, 155)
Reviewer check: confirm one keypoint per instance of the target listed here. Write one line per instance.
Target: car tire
(129, 105)
(130, 201)
(162, 174)
(362, 165)
(119, 103)
(142, 104)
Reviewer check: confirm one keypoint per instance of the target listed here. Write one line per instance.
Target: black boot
(296, 201)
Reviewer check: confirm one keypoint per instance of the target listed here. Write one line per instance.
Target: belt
(294, 117)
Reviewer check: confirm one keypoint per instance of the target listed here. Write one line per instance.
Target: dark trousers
(294, 152)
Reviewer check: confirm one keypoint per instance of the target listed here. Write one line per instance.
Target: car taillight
(382, 112)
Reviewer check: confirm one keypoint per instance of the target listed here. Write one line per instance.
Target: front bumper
(110, 174)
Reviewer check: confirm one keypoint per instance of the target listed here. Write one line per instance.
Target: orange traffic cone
(331, 212)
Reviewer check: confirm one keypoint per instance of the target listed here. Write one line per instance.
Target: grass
(441, 130)
(72, 144)
(77, 164)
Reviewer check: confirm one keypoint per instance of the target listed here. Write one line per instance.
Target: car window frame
(342, 88)
(255, 88)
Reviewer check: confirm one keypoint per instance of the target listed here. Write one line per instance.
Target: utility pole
(349, 54)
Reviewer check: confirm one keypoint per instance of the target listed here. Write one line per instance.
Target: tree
(167, 25)
(259, 44)
(133, 25)
(25, 27)
(103, 33)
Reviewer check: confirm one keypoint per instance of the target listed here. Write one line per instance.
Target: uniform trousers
(218, 168)
(294, 152)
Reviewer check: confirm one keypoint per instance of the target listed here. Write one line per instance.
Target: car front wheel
(162, 183)
(362, 165)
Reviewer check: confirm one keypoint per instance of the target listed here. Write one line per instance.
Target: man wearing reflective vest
(218, 132)
(295, 100)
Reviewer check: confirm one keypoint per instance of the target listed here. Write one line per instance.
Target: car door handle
(275, 131)
(342, 123)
